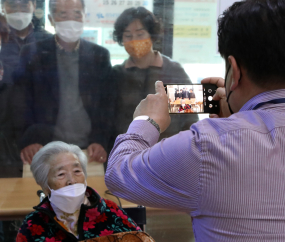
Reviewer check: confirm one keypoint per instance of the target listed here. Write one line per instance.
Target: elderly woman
(137, 29)
(71, 211)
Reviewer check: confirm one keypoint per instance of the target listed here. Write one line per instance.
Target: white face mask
(19, 20)
(69, 198)
(183, 105)
(69, 31)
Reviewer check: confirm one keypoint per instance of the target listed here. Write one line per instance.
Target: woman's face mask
(69, 198)
(138, 48)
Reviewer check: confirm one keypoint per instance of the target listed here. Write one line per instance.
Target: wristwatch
(147, 118)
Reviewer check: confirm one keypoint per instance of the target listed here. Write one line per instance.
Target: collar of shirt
(157, 62)
(69, 220)
(263, 97)
(60, 47)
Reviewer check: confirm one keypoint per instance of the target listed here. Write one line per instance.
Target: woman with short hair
(137, 29)
(71, 211)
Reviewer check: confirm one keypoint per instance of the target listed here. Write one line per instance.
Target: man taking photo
(228, 172)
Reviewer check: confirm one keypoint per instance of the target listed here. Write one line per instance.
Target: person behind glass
(180, 94)
(187, 93)
(58, 93)
(192, 94)
(71, 211)
(137, 29)
(176, 94)
(16, 22)
(183, 93)
(19, 15)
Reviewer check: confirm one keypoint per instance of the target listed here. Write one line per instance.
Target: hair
(40, 165)
(52, 6)
(147, 18)
(3, 1)
(253, 31)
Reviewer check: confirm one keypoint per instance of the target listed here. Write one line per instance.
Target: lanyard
(274, 101)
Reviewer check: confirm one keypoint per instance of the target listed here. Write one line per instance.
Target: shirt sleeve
(164, 175)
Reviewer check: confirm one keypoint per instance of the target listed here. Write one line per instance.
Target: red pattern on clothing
(119, 213)
(92, 214)
(106, 232)
(101, 218)
(126, 222)
(21, 238)
(111, 204)
(50, 240)
(36, 229)
(88, 225)
(60, 235)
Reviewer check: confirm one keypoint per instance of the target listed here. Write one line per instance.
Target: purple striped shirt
(228, 174)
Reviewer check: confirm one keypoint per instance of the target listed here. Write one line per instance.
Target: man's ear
(51, 20)
(236, 73)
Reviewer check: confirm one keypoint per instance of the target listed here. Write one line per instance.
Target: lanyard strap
(274, 101)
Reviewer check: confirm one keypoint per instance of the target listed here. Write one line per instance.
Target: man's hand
(28, 153)
(220, 95)
(96, 152)
(156, 107)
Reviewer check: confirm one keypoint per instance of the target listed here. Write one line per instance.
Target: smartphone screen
(195, 98)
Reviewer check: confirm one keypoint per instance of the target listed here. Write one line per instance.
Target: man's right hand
(220, 95)
(156, 107)
(28, 153)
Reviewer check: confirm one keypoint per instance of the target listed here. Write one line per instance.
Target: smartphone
(191, 99)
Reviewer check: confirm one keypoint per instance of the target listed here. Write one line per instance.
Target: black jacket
(10, 162)
(36, 91)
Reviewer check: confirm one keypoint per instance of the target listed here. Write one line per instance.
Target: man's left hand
(156, 107)
(96, 152)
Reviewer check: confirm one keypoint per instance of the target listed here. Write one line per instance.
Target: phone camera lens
(210, 91)
(210, 106)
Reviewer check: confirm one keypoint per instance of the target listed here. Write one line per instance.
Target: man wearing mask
(18, 14)
(227, 172)
(58, 92)
(192, 94)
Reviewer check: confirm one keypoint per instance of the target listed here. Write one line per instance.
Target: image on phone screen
(195, 98)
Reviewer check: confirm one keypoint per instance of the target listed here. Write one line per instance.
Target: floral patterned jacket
(102, 218)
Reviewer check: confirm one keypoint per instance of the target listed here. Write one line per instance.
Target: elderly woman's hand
(96, 152)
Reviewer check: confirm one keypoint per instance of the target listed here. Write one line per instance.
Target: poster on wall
(92, 35)
(117, 52)
(194, 31)
(103, 13)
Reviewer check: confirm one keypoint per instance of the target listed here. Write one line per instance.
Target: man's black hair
(147, 18)
(253, 31)
(52, 5)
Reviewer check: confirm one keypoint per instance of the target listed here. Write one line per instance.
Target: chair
(138, 214)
